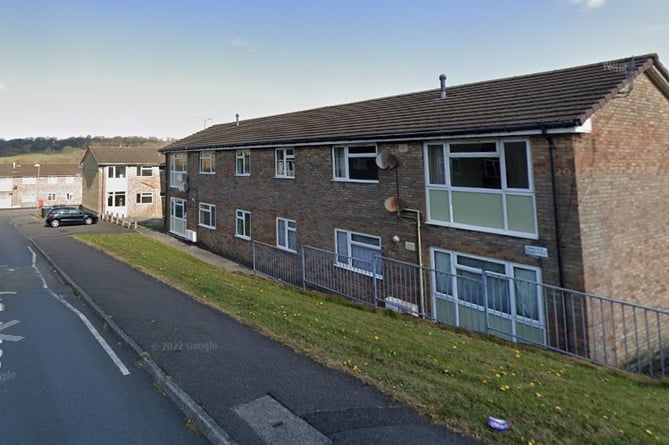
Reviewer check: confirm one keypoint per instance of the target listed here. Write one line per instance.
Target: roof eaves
(437, 133)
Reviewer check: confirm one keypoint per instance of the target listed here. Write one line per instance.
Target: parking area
(30, 222)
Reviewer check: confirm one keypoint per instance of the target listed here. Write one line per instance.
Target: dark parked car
(69, 215)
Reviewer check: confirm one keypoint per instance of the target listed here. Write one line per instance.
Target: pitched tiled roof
(29, 169)
(127, 155)
(553, 99)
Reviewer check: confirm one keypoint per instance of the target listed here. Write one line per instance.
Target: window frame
(243, 162)
(174, 171)
(287, 230)
(350, 243)
(206, 208)
(287, 159)
(117, 172)
(508, 275)
(141, 196)
(143, 169)
(440, 163)
(115, 196)
(51, 197)
(347, 158)
(203, 157)
(243, 216)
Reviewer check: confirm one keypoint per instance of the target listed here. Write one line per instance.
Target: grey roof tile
(552, 99)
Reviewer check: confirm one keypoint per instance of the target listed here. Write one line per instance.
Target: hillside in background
(69, 150)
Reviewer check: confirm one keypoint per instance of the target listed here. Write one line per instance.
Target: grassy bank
(456, 379)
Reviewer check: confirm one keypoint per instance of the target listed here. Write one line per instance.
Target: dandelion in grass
(504, 388)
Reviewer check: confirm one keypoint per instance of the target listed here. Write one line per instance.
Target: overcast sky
(164, 68)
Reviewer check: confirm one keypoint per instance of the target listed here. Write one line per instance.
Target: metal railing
(601, 330)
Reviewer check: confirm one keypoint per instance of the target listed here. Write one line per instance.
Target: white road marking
(8, 292)
(6, 337)
(110, 352)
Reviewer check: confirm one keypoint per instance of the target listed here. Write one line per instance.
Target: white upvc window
(207, 163)
(51, 197)
(356, 163)
(52, 180)
(144, 198)
(115, 199)
(359, 252)
(69, 196)
(284, 162)
(144, 170)
(484, 185)
(69, 180)
(207, 215)
(243, 224)
(512, 294)
(243, 162)
(178, 170)
(286, 234)
(116, 171)
(29, 180)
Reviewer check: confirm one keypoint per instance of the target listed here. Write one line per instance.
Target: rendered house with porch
(123, 181)
(556, 178)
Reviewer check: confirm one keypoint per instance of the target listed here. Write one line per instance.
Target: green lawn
(456, 379)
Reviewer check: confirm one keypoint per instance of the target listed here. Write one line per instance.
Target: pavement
(235, 384)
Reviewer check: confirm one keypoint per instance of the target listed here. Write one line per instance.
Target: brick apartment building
(32, 185)
(556, 177)
(124, 181)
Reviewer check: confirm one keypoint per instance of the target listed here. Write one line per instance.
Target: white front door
(178, 216)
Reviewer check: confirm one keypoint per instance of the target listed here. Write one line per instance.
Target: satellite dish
(386, 161)
(394, 204)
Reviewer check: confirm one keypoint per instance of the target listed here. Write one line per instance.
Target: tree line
(13, 147)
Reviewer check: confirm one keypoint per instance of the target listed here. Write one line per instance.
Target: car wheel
(55, 223)
(88, 220)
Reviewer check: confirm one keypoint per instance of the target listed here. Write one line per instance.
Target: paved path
(257, 390)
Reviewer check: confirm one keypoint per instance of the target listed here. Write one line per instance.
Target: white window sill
(287, 250)
(357, 181)
(207, 227)
(245, 238)
(358, 270)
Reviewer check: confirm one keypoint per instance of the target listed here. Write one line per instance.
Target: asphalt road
(58, 384)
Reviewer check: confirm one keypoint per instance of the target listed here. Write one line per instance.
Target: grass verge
(454, 378)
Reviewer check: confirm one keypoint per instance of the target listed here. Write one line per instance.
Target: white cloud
(240, 43)
(589, 4)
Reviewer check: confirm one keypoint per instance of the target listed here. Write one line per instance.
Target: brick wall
(143, 184)
(59, 187)
(319, 205)
(623, 178)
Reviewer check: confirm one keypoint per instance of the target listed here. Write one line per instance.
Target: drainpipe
(556, 219)
(420, 262)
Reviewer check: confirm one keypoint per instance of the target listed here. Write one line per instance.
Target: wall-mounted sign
(539, 252)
